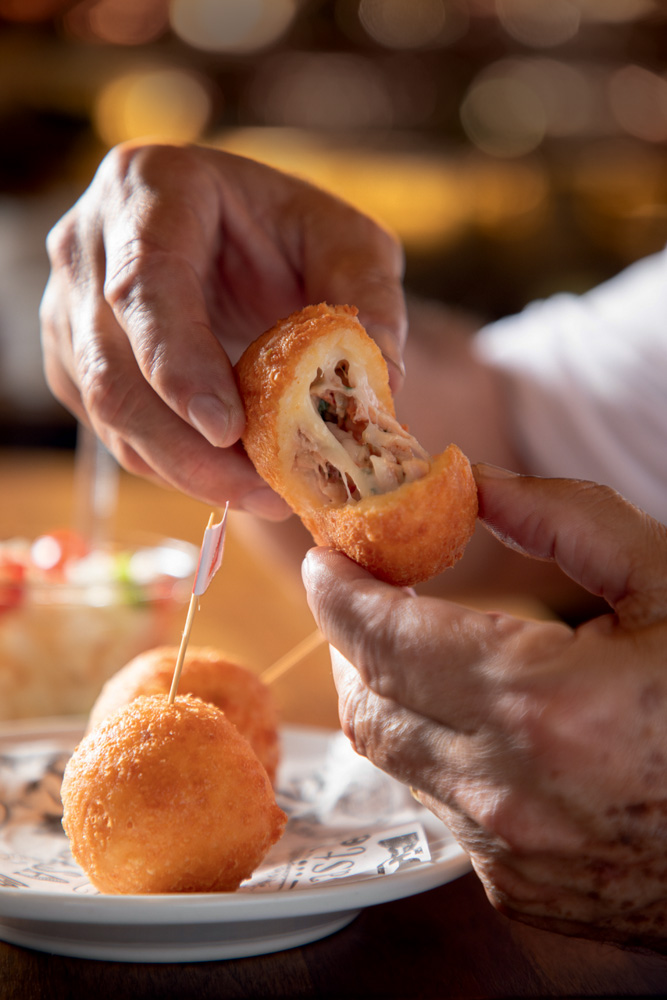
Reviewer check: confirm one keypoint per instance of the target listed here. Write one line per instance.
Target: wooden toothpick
(185, 638)
(294, 656)
(209, 562)
(210, 559)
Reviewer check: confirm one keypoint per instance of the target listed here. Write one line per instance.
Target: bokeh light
(615, 11)
(164, 103)
(570, 97)
(118, 22)
(539, 23)
(396, 24)
(411, 193)
(638, 99)
(429, 200)
(330, 90)
(234, 26)
(503, 116)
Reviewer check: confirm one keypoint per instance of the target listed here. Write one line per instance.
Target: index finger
(157, 252)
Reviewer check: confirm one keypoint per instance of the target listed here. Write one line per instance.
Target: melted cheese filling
(350, 448)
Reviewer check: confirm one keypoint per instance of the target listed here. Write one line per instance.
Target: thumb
(598, 538)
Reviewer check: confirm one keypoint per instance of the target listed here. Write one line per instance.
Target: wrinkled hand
(172, 261)
(543, 748)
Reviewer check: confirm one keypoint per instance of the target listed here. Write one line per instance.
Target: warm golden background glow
(516, 146)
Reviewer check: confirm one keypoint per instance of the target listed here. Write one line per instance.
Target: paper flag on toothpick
(210, 557)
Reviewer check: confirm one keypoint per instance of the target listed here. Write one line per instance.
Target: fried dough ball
(164, 797)
(322, 431)
(208, 675)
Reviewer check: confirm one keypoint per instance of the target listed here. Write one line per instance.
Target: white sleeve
(588, 383)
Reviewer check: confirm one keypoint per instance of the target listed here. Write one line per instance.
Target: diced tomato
(53, 551)
(12, 583)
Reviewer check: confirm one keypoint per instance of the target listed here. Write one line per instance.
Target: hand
(172, 261)
(544, 749)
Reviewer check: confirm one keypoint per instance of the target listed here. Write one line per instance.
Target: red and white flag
(210, 557)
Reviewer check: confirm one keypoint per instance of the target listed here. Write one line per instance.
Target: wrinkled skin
(543, 748)
(172, 261)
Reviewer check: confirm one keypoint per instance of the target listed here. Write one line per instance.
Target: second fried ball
(209, 675)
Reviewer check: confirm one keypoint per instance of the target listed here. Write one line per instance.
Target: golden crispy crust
(412, 533)
(404, 536)
(209, 676)
(274, 374)
(168, 798)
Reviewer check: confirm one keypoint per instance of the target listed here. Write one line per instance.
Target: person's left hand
(543, 748)
(171, 262)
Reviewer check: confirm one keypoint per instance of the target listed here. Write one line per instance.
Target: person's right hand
(172, 261)
(542, 747)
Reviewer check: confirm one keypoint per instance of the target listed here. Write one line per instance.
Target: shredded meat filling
(366, 451)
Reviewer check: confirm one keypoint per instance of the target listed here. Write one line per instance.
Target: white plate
(64, 915)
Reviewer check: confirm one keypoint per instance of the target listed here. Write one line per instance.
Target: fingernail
(483, 471)
(396, 374)
(390, 351)
(265, 503)
(211, 417)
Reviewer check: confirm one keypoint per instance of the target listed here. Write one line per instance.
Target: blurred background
(516, 146)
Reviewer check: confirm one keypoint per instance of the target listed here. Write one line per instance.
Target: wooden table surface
(447, 942)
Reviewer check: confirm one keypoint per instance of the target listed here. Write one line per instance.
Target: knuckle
(62, 245)
(128, 291)
(353, 718)
(550, 730)
(507, 889)
(117, 160)
(391, 641)
(383, 633)
(105, 394)
(142, 174)
(123, 285)
(150, 159)
(126, 162)
(504, 820)
(503, 817)
(375, 649)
